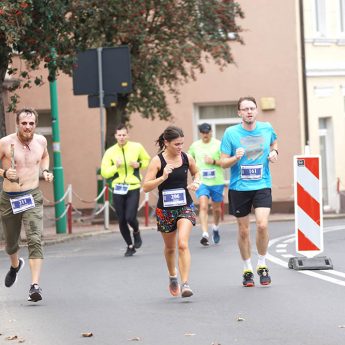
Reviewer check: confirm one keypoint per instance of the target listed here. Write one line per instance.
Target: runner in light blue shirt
(249, 148)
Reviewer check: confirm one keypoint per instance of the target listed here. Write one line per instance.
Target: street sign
(308, 205)
(108, 101)
(116, 71)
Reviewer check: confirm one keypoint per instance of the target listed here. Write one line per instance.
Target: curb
(69, 237)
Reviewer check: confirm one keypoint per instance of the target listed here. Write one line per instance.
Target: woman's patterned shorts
(167, 219)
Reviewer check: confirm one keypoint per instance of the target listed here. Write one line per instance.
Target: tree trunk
(4, 54)
(115, 116)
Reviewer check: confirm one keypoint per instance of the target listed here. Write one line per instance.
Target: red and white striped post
(308, 205)
(106, 207)
(69, 212)
(146, 209)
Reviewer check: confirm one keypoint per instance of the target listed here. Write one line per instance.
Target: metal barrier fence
(69, 208)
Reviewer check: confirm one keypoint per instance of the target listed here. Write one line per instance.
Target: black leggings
(126, 207)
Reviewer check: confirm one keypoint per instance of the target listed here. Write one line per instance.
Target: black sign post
(101, 74)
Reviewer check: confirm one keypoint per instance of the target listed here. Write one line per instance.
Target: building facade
(325, 72)
(268, 67)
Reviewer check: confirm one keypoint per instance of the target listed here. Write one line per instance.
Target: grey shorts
(32, 220)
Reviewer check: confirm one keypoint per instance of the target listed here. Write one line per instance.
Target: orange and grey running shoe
(174, 286)
(265, 278)
(248, 279)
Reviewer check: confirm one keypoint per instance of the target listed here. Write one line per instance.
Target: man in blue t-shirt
(248, 148)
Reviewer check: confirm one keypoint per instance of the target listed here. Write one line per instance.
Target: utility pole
(57, 169)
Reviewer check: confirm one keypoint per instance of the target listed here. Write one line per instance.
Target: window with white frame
(342, 16)
(44, 128)
(320, 17)
(220, 117)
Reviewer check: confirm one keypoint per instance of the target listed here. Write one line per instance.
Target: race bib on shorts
(174, 197)
(121, 189)
(22, 203)
(208, 173)
(251, 172)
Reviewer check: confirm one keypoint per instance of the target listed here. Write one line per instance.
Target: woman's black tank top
(177, 179)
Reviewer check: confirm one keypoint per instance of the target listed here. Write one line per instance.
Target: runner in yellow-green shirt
(206, 153)
(122, 163)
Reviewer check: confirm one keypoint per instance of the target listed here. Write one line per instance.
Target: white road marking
(282, 245)
(291, 238)
(287, 256)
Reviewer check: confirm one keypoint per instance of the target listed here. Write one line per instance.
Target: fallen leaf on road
(239, 318)
(87, 334)
(134, 339)
(12, 337)
(189, 334)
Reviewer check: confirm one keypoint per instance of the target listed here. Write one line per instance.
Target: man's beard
(25, 136)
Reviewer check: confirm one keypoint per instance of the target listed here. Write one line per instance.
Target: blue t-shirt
(252, 171)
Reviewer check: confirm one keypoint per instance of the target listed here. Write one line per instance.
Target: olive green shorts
(32, 220)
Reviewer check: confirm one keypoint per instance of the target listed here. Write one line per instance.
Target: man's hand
(134, 165)
(239, 153)
(48, 176)
(273, 156)
(208, 160)
(11, 175)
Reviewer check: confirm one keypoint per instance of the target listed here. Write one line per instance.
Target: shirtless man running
(24, 158)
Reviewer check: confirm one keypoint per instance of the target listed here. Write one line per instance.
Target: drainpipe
(304, 76)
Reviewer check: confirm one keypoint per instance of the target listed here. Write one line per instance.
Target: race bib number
(174, 197)
(121, 189)
(251, 172)
(208, 173)
(22, 203)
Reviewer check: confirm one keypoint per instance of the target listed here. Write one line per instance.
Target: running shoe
(130, 251)
(137, 239)
(174, 286)
(248, 279)
(12, 274)
(265, 278)
(215, 236)
(35, 293)
(204, 241)
(186, 291)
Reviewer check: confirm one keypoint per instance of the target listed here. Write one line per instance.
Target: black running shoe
(215, 236)
(248, 279)
(204, 241)
(265, 278)
(137, 239)
(35, 293)
(11, 275)
(130, 251)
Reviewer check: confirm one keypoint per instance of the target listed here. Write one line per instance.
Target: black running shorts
(241, 202)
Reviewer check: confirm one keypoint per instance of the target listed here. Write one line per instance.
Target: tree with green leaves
(169, 40)
(30, 29)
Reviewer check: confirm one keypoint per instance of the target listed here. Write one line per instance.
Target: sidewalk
(80, 230)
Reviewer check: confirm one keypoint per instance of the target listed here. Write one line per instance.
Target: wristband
(214, 162)
(4, 173)
(276, 151)
(45, 170)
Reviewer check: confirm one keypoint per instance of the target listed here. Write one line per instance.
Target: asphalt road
(89, 286)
